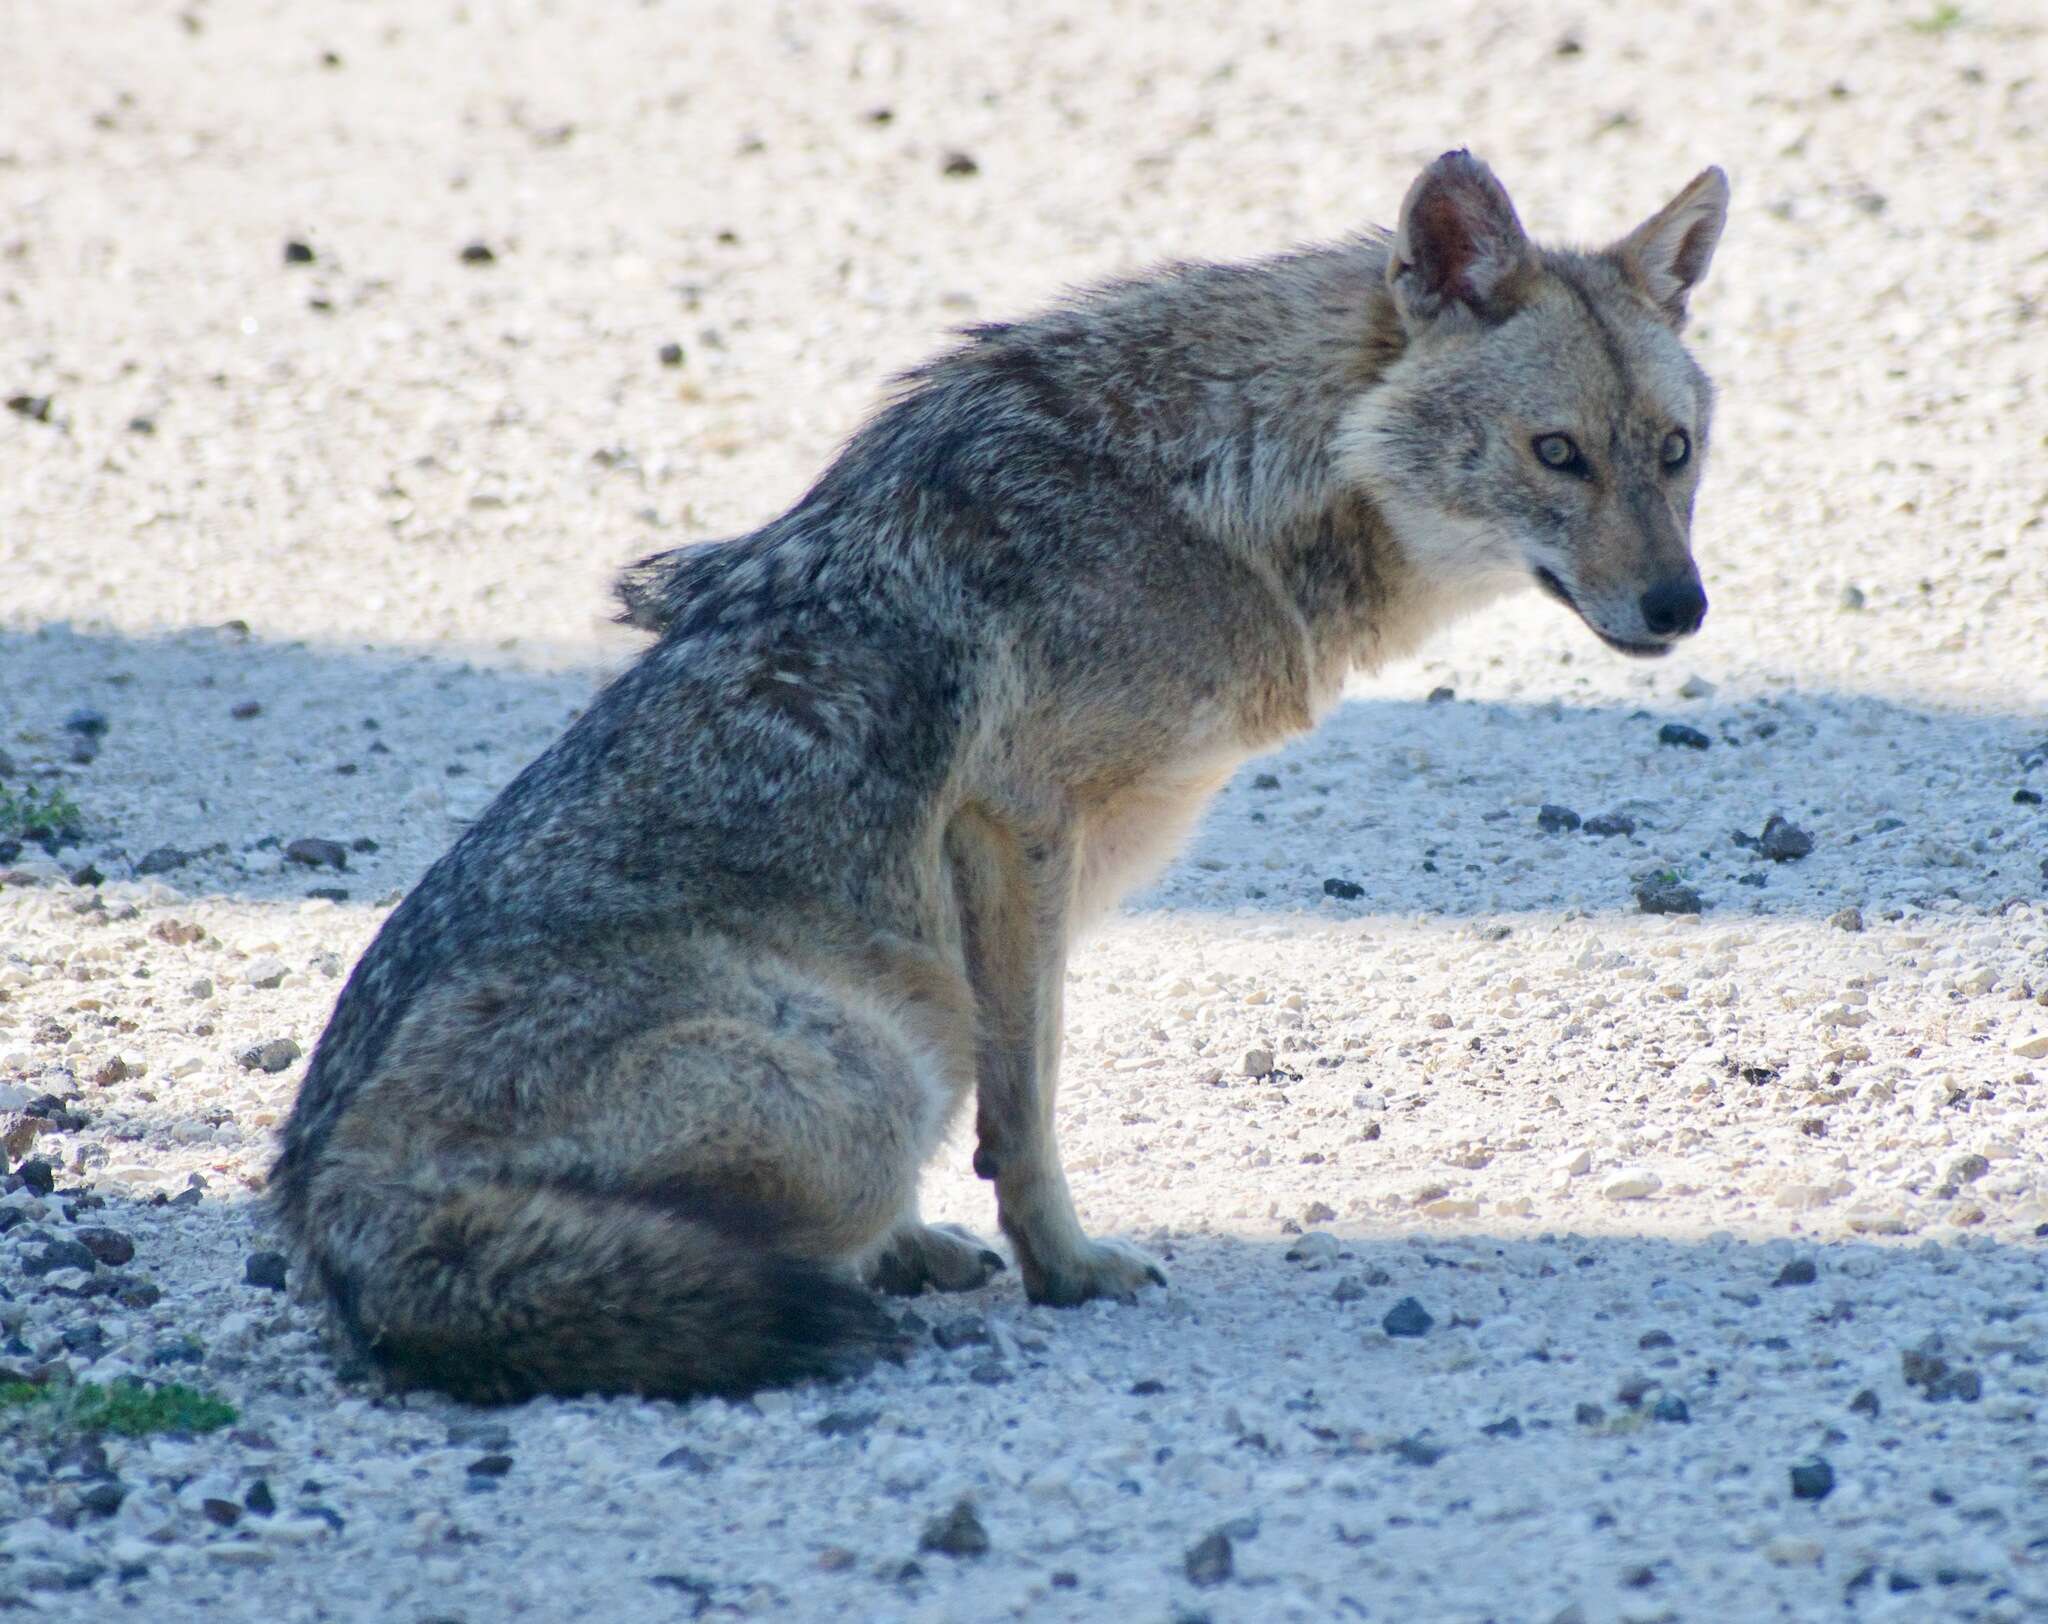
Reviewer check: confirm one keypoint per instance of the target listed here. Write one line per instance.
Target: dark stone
(959, 165)
(1588, 1415)
(1419, 1452)
(1407, 1318)
(1965, 1385)
(1511, 1427)
(686, 1459)
(964, 1331)
(265, 1269)
(59, 1254)
(1266, 781)
(1678, 733)
(259, 1499)
(329, 893)
(243, 710)
(109, 1246)
(362, 843)
(1634, 1389)
(142, 425)
(1210, 1561)
(1671, 1408)
(316, 853)
(1556, 820)
(36, 408)
(1783, 842)
(1800, 1271)
(1150, 1387)
(162, 859)
(1611, 823)
(1813, 1480)
(91, 723)
(671, 355)
(1668, 897)
(1348, 1290)
(88, 875)
(1441, 696)
(2026, 797)
(1343, 890)
(180, 1350)
(848, 1423)
(272, 1056)
(104, 1498)
(1865, 1404)
(88, 1339)
(958, 1534)
(297, 253)
(478, 253)
(490, 1466)
(223, 1512)
(37, 1175)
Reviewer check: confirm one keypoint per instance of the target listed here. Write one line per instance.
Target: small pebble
(478, 253)
(1210, 1561)
(1611, 823)
(297, 253)
(958, 1534)
(1783, 842)
(273, 1056)
(959, 165)
(1554, 820)
(1813, 1480)
(315, 853)
(1668, 897)
(1407, 1318)
(108, 1246)
(1800, 1271)
(1678, 733)
(1343, 890)
(265, 1269)
(1848, 919)
(670, 355)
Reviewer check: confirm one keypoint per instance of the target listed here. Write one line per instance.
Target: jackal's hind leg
(944, 1257)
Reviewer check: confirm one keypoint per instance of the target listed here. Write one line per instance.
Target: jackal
(632, 1092)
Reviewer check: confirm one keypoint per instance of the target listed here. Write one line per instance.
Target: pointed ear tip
(1713, 179)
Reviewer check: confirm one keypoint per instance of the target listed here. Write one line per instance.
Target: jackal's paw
(1098, 1269)
(941, 1256)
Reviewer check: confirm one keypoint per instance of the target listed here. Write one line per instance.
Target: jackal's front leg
(1015, 889)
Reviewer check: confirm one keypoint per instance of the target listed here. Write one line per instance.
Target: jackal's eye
(1558, 453)
(1677, 449)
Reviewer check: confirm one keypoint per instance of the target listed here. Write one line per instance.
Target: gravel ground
(1535, 1256)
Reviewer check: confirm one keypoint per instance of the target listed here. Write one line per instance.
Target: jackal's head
(1543, 420)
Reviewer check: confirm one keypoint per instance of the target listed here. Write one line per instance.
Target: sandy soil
(1689, 1202)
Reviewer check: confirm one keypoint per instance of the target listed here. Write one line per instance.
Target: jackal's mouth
(1621, 645)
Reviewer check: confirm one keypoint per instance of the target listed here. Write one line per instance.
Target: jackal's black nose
(1675, 606)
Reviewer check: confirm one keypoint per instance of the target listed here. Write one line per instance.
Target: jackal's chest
(1135, 832)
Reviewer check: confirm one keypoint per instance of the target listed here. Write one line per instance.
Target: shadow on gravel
(218, 749)
(1367, 1414)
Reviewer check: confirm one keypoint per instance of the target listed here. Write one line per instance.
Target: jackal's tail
(496, 1292)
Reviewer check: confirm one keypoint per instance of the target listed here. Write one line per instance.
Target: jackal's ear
(1460, 251)
(1668, 253)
